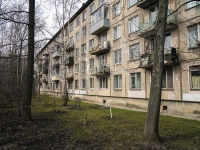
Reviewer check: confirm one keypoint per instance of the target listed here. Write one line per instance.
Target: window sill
(194, 89)
(132, 89)
(117, 64)
(116, 39)
(135, 32)
(117, 89)
(167, 89)
(134, 60)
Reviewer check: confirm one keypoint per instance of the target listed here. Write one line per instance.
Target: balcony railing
(146, 3)
(148, 29)
(56, 55)
(70, 46)
(70, 60)
(100, 20)
(100, 70)
(170, 58)
(100, 49)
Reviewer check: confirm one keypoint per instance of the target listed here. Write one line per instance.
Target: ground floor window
(83, 83)
(195, 77)
(103, 83)
(91, 83)
(70, 84)
(167, 78)
(118, 81)
(136, 80)
(76, 84)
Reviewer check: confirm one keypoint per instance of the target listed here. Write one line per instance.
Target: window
(168, 42)
(84, 15)
(70, 84)
(76, 84)
(118, 81)
(83, 66)
(77, 22)
(83, 32)
(117, 32)
(77, 52)
(132, 2)
(136, 80)
(91, 63)
(91, 8)
(70, 69)
(191, 4)
(193, 35)
(77, 36)
(102, 38)
(71, 27)
(71, 41)
(103, 59)
(103, 83)
(76, 68)
(116, 9)
(66, 32)
(134, 52)
(153, 14)
(195, 77)
(167, 78)
(118, 56)
(83, 49)
(101, 2)
(91, 43)
(91, 83)
(83, 83)
(133, 25)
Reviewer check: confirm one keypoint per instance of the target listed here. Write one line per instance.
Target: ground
(89, 127)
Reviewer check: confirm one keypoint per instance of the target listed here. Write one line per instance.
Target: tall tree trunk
(30, 66)
(151, 130)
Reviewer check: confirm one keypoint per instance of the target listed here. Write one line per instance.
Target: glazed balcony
(100, 70)
(70, 46)
(148, 29)
(170, 59)
(56, 55)
(100, 49)
(146, 3)
(100, 20)
(70, 60)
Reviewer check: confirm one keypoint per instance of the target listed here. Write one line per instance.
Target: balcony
(70, 46)
(170, 59)
(55, 77)
(100, 20)
(100, 70)
(70, 60)
(146, 3)
(70, 77)
(100, 49)
(56, 55)
(148, 29)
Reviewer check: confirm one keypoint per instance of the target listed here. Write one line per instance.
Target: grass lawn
(90, 127)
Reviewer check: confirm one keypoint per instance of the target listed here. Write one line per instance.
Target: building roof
(83, 7)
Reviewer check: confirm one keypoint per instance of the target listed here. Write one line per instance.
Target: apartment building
(108, 55)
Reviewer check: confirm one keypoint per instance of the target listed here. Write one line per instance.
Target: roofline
(84, 5)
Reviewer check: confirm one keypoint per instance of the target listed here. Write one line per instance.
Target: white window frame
(116, 9)
(168, 42)
(83, 48)
(76, 68)
(91, 44)
(77, 52)
(133, 24)
(166, 78)
(77, 36)
(91, 83)
(117, 32)
(195, 80)
(132, 2)
(76, 86)
(83, 83)
(91, 65)
(193, 39)
(84, 15)
(83, 66)
(83, 32)
(103, 59)
(92, 9)
(191, 4)
(77, 21)
(118, 56)
(118, 83)
(103, 82)
(70, 69)
(134, 52)
(137, 80)
(71, 26)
